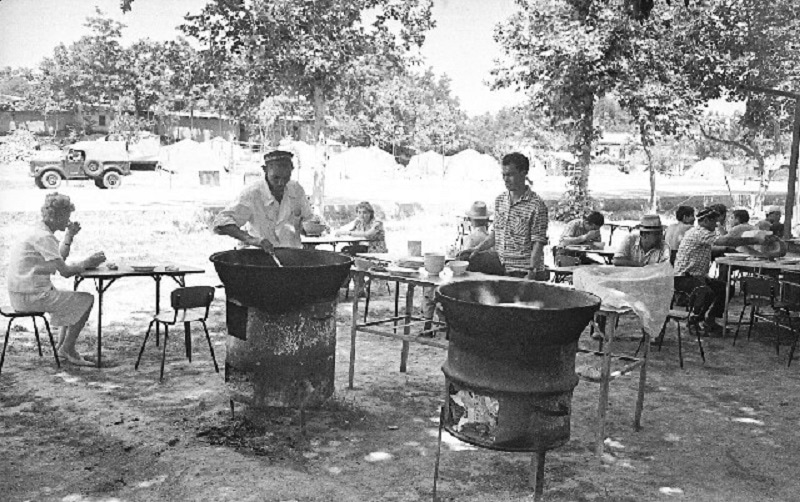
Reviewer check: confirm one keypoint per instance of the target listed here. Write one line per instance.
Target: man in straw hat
(271, 209)
(478, 216)
(647, 247)
(694, 261)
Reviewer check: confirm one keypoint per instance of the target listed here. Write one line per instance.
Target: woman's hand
(94, 260)
(73, 228)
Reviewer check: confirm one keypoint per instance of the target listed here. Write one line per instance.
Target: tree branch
(751, 152)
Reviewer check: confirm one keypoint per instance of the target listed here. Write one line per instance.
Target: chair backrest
(192, 297)
(567, 261)
(756, 286)
(790, 294)
(698, 297)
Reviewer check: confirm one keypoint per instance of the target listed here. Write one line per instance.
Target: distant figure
(772, 222)
(675, 232)
(520, 228)
(645, 247)
(271, 209)
(741, 224)
(478, 216)
(365, 225)
(38, 256)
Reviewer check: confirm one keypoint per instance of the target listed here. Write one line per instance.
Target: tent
(473, 166)
(707, 169)
(191, 162)
(426, 165)
(362, 163)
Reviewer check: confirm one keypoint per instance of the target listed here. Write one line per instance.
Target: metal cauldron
(282, 325)
(510, 368)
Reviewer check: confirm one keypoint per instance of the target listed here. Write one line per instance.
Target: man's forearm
(537, 256)
(236, 232)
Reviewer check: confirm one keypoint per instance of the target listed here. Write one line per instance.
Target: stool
(7, 311)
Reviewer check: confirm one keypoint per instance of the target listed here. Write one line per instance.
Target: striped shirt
(517, 227)
(694, 253)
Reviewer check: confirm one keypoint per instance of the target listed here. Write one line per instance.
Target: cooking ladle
(275, 257)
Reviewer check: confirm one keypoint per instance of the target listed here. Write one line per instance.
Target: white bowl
(458, 267)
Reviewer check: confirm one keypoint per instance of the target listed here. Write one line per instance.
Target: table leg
(99, 320)
(358, 280)
(727, 300)
(637, 417)
(605, 375)
(406, 327)
(158, 305)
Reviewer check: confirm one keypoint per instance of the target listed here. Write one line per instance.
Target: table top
(583, 249)
(788, 263)
(331, 239)
(623, 223)
(103, 272)
(422, 278)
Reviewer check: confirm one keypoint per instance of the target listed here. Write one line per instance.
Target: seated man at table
(773, 221)
(694, 261)
(271, 210)
(645, 247)
(582, 231)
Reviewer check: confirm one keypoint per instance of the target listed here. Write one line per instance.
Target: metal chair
(11, 314)
(183, 301)
(788, 303)
(689, 301)
(758, 292)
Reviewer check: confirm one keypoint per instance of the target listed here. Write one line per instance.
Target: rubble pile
(18, 145)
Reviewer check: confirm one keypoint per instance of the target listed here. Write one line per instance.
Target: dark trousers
(711, 305)
(488, 262)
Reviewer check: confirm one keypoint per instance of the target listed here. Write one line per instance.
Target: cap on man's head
(707, 212)
(478, 211)
(650, 223)
(774, 209)
(277, 156)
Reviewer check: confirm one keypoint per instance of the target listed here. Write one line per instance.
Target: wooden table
(606, 254)
(410, 323)
(104, 277)
(561, 274)
(331, 240)
(756, 266)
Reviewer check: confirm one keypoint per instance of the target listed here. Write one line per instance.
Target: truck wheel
(49, 179)
(92, 168)
(112, 179)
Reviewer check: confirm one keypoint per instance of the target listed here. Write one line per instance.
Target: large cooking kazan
(510, 368)
(282, 322)
(253, 279)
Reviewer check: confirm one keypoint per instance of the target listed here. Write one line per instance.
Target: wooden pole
(790, 193)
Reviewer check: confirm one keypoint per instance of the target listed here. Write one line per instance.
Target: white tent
(707, 169)
(187, 158)
(426, 165)
(362, 163)
(473, 166)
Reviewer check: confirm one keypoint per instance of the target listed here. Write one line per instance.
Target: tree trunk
(646, 143)
(318, 193)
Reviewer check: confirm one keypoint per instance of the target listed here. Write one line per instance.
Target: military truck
(104, 163)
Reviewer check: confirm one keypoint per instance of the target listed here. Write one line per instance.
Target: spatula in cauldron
(275, 257)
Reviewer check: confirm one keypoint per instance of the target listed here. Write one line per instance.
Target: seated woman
(38, 256)
(365, 225)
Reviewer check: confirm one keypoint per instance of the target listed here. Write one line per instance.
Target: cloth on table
(645, 290)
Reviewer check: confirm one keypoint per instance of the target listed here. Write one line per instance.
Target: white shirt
(265, 217)
(26, 256)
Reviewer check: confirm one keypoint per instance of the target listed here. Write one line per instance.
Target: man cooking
(272, 209)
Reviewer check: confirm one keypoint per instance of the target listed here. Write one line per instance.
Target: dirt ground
(726, 430)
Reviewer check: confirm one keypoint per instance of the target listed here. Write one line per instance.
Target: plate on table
(143, 268)
(403, 271)
(414, 262)
(579, 247)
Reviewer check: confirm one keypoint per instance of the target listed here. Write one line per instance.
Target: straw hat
(478, 211)
(774, 209)
(650, 223)
(707, 212)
